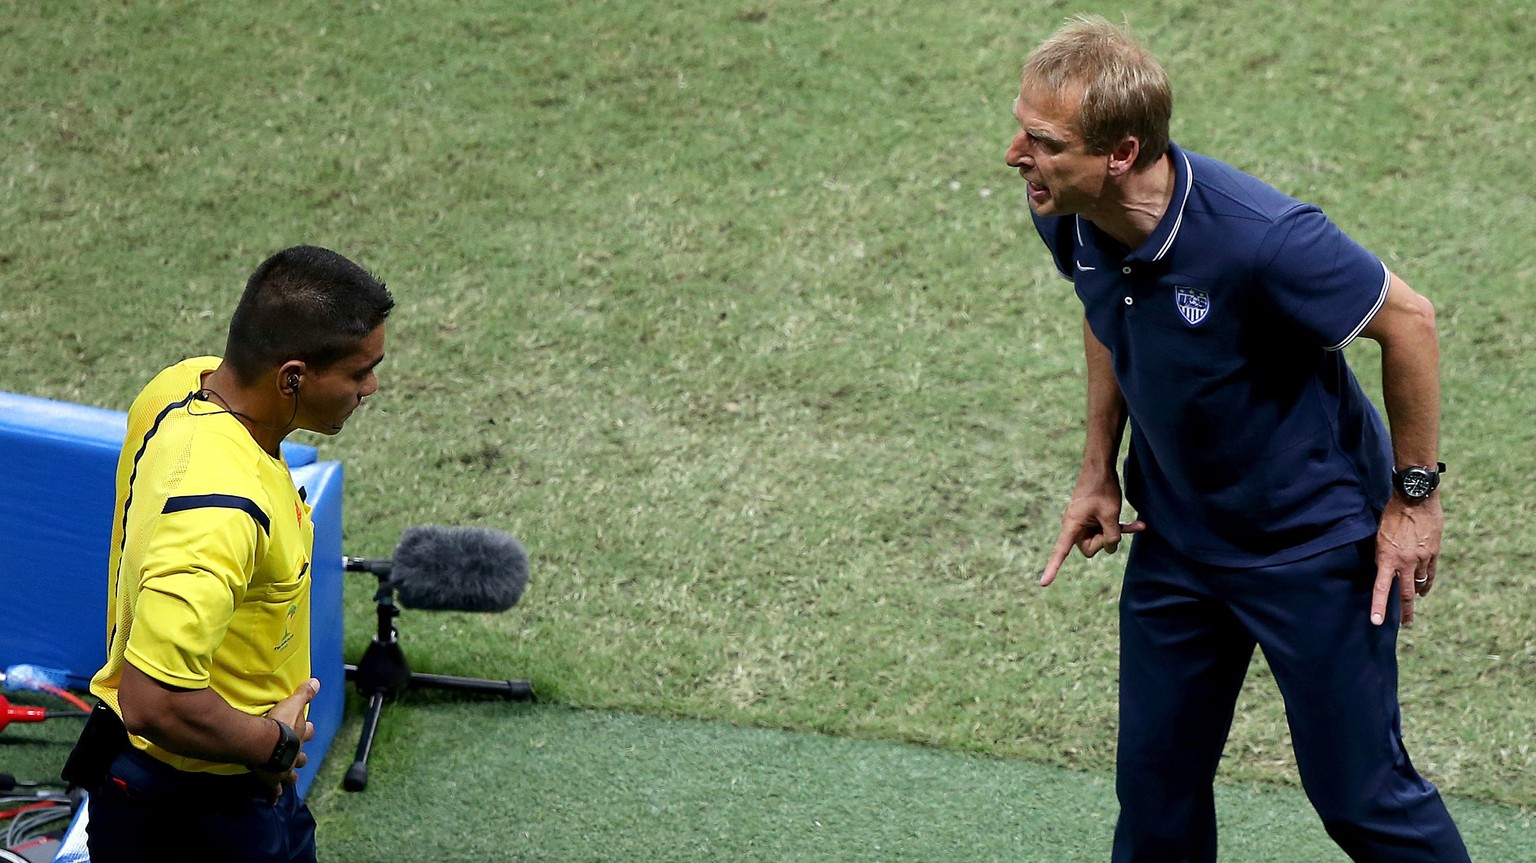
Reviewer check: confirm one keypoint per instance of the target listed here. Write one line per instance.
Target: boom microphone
(459, 569)
(373, 566)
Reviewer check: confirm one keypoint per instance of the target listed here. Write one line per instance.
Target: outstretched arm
(1092, 520)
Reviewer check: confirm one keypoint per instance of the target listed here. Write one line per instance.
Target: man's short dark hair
(303, 303)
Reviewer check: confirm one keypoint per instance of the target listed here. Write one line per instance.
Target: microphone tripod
(383, 672)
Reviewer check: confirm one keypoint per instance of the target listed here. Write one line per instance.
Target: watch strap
(1438, 468)
(285, 753)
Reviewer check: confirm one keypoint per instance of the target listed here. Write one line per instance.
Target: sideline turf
(471, 781)
(491, 781)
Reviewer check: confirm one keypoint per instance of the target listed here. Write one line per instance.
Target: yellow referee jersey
(208, 578)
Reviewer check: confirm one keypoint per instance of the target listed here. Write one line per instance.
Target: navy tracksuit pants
(1187, 635)
(148, 812)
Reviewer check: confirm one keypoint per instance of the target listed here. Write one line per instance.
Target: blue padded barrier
(322, 482)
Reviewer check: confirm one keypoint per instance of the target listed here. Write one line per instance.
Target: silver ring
(1421, 580)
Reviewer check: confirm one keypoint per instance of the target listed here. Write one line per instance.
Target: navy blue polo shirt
(1251, 441)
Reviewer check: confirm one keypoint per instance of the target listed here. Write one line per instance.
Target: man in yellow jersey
(208, 604)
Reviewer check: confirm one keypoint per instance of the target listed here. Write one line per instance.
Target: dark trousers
(146, 811)
(1187, 633)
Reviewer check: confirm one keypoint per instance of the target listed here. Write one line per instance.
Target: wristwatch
(1417, 481)
(284, 753)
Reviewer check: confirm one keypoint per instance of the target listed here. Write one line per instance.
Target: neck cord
(203, 394)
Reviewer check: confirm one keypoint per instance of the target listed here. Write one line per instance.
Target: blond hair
(1124, 90)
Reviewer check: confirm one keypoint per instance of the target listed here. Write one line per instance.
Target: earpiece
(293, 382)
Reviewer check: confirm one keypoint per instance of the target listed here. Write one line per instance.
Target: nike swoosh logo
(1083, 268)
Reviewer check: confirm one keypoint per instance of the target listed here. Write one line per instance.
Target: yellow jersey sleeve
(195, 573)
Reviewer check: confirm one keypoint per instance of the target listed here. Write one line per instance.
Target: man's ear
(1122, 159)
(290, 376)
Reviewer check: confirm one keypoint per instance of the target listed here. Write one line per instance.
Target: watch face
(286, 752)
(290, 753)
(1416, 483)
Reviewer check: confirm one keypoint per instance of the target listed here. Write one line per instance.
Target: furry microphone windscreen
(459, 569)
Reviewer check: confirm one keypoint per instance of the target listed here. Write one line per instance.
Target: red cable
(66, 695)
(12, 813)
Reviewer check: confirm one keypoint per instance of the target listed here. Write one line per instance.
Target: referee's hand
(291, 711)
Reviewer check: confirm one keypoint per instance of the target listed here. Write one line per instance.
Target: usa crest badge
(1193, 305)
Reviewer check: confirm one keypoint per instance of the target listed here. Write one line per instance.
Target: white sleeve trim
(1386, 284)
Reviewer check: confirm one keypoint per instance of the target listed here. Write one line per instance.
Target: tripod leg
(518, 690)
(357, 775)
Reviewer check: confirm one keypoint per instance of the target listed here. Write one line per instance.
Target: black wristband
(285, 752)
